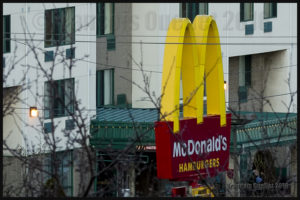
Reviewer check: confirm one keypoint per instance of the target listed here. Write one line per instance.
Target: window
(49, 56)
(105, 18)
(190, 10)
(245, 71)
(244, 76)
(249, 29)
(6, 34)
(70, 53)
(59, 98)
(65, 169)
(48, 127)
(267, 27)
(270, 10)
(248, 70)
(69, 124)
(246, 12)
(105, 87)
(60, 26)
(105, 23)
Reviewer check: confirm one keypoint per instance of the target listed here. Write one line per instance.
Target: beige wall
(120, 57)
(268, 78)
(276, 83)
(12, 177)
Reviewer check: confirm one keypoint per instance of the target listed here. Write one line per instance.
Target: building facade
(116, 52)
(49, 60)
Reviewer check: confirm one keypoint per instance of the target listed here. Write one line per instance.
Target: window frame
(100, 25)
(100, 92)
(207, 8)
(271, 4)
(242, 11)
(49, 109)
(53, 42)
(6, 22)
(248, 70)
(61, 157)
(246, 73)
(70, 53)
(183, 6)
(246, 76)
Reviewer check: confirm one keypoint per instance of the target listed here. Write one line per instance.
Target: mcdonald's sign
(196, 145)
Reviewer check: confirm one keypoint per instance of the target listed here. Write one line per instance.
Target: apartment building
(116, 49)
(258, 43)
(41, 42)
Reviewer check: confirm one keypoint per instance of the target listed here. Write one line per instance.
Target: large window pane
(69, 96)
(59, 98)
(105, 87)
(66, 172)
(105, 23)
(70, 25)
(108, 13)
(242, 71)
(245, 70)
(57, 22)
(203, 8)
(246, 11)
(47, 93)
(65, 167)
(270, 10)
(48, 28)
(6, 34)
(248, 70)
(59, 26)
(99, 88)
(267, 10)
(105, 18)
(191, 10)
(100, 18)
(183, 10)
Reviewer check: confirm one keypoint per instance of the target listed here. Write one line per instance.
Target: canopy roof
(116, 127)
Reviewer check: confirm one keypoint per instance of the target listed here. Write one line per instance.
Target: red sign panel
(196, 149)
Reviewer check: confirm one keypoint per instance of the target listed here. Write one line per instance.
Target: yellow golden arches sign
(192, 51)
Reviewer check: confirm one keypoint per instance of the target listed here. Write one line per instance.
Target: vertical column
(294, 171)
(132, 180)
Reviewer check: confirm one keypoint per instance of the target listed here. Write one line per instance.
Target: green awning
(119, 135)
(268, 129)
(118, 128)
